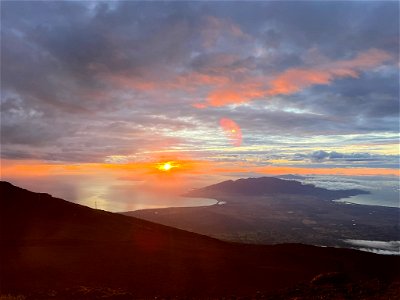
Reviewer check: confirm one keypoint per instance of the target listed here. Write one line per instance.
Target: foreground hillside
(53, 249)
(269, 210)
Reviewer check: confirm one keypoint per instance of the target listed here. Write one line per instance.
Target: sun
(167, 166)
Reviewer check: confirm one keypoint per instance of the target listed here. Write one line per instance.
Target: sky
(94, 92)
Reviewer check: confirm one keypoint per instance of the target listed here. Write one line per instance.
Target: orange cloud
(235, 95)
(226, 84)
(232, 131)
(366, 60)
(224, 97)
(294, 80)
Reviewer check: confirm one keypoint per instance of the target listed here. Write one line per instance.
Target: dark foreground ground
(53, 249)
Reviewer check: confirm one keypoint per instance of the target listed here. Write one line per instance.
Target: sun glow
(167, 166)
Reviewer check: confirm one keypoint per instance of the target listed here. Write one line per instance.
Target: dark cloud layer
(82, 81)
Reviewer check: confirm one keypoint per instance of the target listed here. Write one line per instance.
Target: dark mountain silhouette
(262, 186)
(53, 249)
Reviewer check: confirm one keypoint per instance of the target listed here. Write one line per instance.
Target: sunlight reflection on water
(147, 202)
(107, 193)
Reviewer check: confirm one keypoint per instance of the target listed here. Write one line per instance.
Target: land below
(269, 210)
(53, 249)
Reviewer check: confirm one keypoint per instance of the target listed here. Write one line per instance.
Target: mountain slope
(50, 247)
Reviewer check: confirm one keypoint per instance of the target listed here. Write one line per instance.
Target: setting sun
(167, 166)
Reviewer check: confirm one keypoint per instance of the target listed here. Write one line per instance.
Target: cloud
(337, 157)
(216, 29)
(85, 81)
(297, 79)
(294, 80)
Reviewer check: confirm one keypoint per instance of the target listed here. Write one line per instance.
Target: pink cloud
(235, 94)
(294, 80)
(223, 85)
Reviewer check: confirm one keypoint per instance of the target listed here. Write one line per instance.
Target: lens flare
(232, 131)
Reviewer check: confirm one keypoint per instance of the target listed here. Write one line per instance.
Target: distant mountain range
(263, 186)
(54, 249)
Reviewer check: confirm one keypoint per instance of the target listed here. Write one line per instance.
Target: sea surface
(149, 202)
